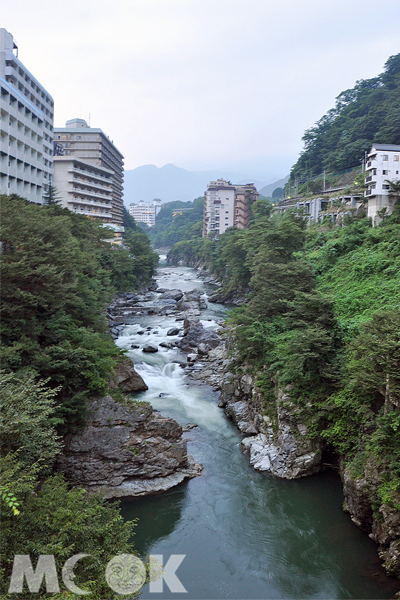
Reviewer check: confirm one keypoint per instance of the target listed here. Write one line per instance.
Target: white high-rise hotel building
(26, 127)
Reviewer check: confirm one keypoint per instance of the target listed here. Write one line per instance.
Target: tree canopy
(366, 114)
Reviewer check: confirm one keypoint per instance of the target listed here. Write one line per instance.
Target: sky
(202, 84)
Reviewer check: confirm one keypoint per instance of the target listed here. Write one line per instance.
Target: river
(245, 534)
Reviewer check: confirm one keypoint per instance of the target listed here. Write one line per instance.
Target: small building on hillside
(226, 205)
(382, 168)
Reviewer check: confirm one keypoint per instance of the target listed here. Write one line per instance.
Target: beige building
(90, 144)
(227, 205)
(26, 127)
(84, 188)
(244, 197)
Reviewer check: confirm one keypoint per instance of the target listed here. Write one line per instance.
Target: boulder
(173, 331)
(150, 348)
(195, 334)
(126, 377)
(126, 451)
(172, 295)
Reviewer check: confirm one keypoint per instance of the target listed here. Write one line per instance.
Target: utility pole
(324, 179)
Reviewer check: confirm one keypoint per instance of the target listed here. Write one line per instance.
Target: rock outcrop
(126, 451)
(160, 302)
(194, 334)
(277, 444)
(126, 378)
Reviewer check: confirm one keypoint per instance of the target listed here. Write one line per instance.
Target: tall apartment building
(226, 205)
(84, 188)
(144, 212)
(78, 140)
(383, 165)
(26, 127)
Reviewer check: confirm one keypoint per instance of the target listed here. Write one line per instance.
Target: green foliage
(375, 358)
(368, 113)
(278, 193)
(58, 275)
(25, 408)
(63, 522)
(51, 195)
(185, 225)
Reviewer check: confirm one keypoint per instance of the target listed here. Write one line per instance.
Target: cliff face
(383, 523)
(277, 445)
(126, 451)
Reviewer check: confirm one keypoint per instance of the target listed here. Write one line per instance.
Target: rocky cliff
(380, 521)
(126, 451)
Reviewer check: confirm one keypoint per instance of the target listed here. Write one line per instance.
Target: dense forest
(323, 317)
(59, 272)
(368, 113)
(185, 225)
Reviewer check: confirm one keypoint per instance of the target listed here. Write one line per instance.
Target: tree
(375, 363)
(278, 193)
(51, 195)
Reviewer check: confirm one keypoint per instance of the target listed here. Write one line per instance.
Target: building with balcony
(383, 166)
(90, 144)
(26, 127)
(145, 212)
(227, 205)
(84, 188)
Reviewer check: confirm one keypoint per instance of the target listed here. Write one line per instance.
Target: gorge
(244, 533)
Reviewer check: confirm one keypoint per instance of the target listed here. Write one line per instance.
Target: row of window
(21, 72)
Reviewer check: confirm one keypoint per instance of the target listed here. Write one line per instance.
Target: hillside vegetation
(186, 225)
(368, 113)
(58, 275)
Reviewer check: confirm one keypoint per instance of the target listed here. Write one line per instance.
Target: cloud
(196, 82)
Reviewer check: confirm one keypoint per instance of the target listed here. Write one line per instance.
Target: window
(385, 172)
(396, 157)
(385, 157)
(385, 187)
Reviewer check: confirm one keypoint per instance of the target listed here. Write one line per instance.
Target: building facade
(78, 140)
(84, 188)
(383, 166)
(26, 127)
(145, 212)
(226, 205)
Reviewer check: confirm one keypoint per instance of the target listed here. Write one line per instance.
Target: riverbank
(278, 442)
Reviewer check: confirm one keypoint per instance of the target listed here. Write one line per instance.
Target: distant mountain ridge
(174, 183)
(268, 189)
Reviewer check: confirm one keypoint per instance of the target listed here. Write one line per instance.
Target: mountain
(268, 189)
(367, 114)
(174, 183)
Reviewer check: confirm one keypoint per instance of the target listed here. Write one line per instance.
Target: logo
(125, 574)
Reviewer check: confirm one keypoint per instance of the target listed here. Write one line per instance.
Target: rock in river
(126, 451)
(126, 378)
(150, 348)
